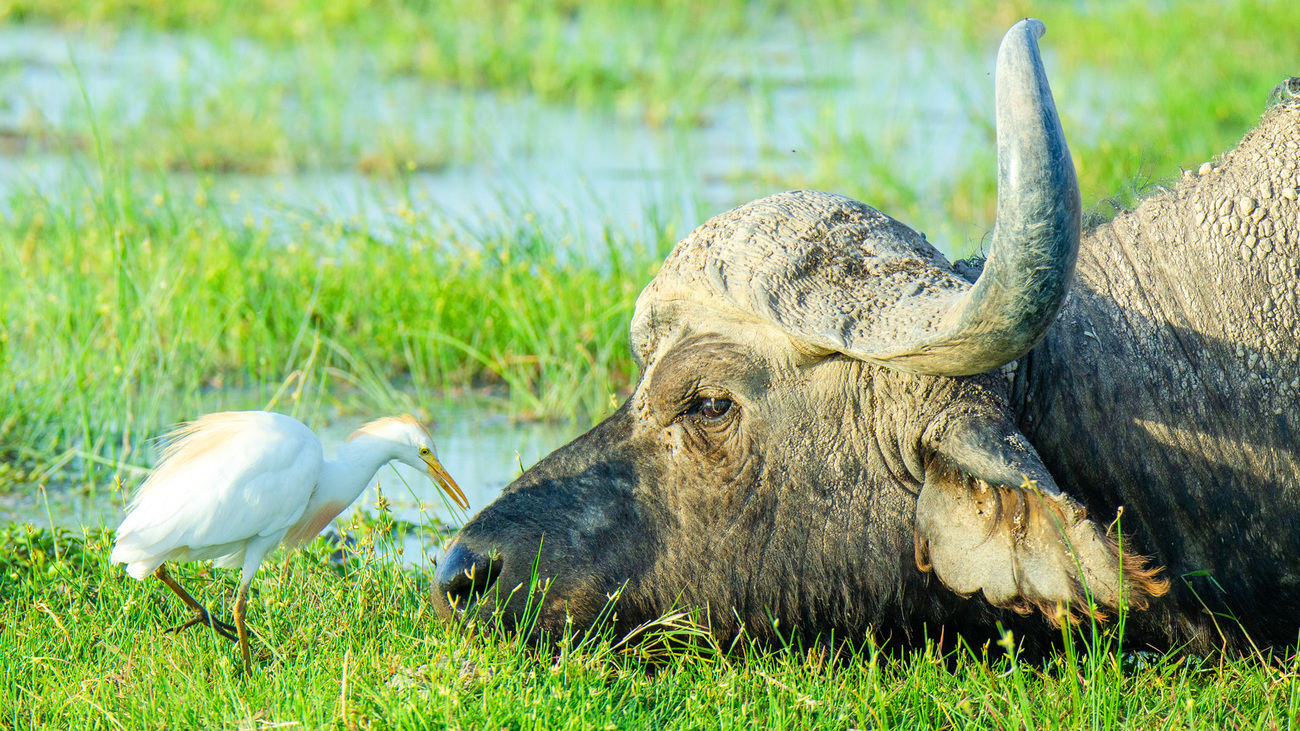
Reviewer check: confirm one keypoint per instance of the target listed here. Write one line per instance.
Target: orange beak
(448, 485)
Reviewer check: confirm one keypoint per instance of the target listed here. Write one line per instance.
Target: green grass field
(359, 646)
(133, 295)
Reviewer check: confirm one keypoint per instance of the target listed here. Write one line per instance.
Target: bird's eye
(424, 451)
(714, 408)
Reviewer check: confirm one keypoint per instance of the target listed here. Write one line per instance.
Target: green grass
(359, 646)
(276, 113)
(135, 310)
(136, 299)
(221, 107)
(654, 60)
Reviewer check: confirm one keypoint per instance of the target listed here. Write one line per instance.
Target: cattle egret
(234, 485)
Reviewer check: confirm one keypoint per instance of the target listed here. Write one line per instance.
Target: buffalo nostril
(463, 575)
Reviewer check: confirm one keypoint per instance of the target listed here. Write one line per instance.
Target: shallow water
(919, 100)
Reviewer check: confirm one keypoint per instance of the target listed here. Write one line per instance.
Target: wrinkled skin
(1168, 385)
(760, 472)
(797, 504)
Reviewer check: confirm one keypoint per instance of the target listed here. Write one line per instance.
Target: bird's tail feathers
(139, 564)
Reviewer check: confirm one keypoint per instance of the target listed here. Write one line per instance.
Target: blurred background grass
(150, 270)
(1192, 70)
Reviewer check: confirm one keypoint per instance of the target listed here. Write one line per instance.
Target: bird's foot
(205, 618)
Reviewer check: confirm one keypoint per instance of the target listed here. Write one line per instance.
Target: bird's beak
(448, 485)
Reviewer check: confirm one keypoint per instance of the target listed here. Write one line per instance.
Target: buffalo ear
(989, 518)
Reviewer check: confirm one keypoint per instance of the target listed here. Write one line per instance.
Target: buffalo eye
(714, 408)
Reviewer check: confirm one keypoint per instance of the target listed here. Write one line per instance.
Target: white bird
(232, 486)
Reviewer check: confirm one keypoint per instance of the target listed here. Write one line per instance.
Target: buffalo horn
(1035, 237)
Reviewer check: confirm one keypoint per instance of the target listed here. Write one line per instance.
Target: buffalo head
(816, 435)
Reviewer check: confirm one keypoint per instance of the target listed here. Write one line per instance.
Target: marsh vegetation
(351, 208)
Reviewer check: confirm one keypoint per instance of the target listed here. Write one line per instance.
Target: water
(480, 449)
(918, 101)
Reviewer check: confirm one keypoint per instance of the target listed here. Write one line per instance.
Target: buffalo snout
(561, 540)
(464, 575)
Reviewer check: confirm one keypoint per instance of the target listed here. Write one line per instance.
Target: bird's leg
(241, 601)
(284, 568)
(201, 614)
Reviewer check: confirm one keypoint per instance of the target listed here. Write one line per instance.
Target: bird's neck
(343, 479)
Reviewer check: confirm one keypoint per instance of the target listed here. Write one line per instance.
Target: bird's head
(411, 445)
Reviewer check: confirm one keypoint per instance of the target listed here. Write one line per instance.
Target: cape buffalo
(838, 433)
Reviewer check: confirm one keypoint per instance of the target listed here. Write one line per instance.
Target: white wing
(225, 479)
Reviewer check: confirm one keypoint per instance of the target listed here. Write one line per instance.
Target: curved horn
(1035, 236)
(837, 274)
